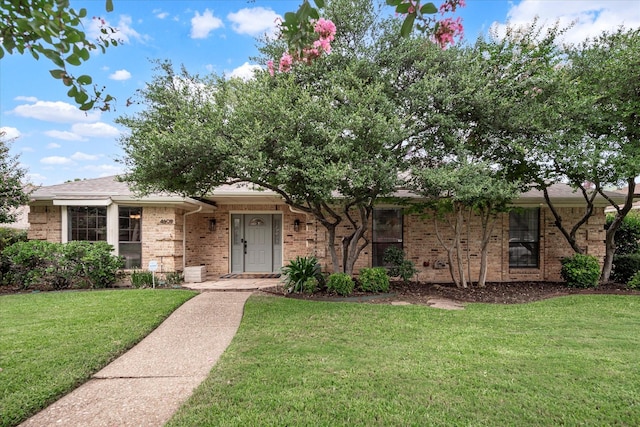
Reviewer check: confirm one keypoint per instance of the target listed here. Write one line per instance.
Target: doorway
(256, 243)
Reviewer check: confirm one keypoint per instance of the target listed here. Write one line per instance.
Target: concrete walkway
(146, 385)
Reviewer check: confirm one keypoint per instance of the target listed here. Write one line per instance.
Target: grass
(52, 342)
(567, 361)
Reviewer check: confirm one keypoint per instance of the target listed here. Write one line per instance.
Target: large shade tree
(330, 138)
(12, 194)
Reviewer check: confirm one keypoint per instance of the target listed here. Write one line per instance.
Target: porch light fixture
(212, 225)
(296, 225)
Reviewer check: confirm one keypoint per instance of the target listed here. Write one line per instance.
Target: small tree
(12, 194)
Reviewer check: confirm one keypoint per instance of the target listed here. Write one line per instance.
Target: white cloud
(158, 13)
(124, 31)
(245, 71)
(202, 25)
(53, 145)
(106, 170)
(58, 111)
(9, 133)
(120, 75)
(589, 18)
(254, 21)
(56, 160)
(28, 149)
(83, 156)
(96, 130)
(26, 98)
(64, 135)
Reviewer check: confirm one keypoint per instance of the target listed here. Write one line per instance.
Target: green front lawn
(567, 361)
(52, 342)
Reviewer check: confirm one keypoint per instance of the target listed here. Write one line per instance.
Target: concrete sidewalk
(146, 385)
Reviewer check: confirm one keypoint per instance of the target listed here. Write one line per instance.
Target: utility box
(195, 274)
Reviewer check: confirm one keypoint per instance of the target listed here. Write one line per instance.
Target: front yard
(565, 361)
(52, 342)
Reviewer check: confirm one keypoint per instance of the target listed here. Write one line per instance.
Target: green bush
(173, 278)
(580, 271)
(624, 267)
(310, 285)
(340, 283)
(374, 279)
(398, 266)
(141, 279)
(634, 282)
(9, 236)
(62, 266)
(299, 270)
(628, 235)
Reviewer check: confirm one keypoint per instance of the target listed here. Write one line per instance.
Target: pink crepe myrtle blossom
(325, 28)
(451, 6)
(285, 63)
(270, 67)
(447, 30)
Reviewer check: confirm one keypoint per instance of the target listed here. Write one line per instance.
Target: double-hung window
(524, 238)
(387, 232)
(87, 223)
(129, 242)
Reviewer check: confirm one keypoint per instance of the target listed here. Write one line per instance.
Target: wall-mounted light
(296, 225)
(212, 225)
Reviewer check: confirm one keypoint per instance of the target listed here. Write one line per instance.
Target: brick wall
(45, 223)
(162, 240)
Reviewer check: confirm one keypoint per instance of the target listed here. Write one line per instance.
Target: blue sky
(56, 142)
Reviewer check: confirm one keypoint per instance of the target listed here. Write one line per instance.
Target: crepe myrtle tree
(53, 29)
(326, 140)
(455, 190)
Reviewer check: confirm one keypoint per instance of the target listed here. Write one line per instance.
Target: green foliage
(398, 265)
(173, 278)
(374, 279)
(9, 236)
(299, 271)
(141, 279)
(634, 282)
(580, 271)
(625, 266)
(628, 235)
(12, 194)
(54, 30)
(75, 264)
(340, 283)
(310, 285)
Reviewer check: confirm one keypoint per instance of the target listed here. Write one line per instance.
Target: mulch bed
(496, 293)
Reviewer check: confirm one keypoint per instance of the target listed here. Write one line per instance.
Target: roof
(111, 189)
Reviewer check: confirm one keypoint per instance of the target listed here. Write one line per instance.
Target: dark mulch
(496, 293)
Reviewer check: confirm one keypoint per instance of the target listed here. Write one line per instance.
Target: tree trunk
(352, 247)
(449, 250)
(458, 230)
(487, 228)
(610, 243)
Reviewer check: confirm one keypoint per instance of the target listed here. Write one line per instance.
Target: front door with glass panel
(256, 243)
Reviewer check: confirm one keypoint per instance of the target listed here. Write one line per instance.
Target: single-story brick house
(243, 230)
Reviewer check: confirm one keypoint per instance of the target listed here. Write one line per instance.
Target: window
(87, 223)
(387, 231)
(524, 238)
(129, 243)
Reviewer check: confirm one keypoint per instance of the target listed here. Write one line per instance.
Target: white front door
(254, 241)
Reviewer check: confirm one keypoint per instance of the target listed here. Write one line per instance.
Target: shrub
(624, 267)
(141, 279)
(173, 278)
(340, 283)
(62, 266)
(299, 270)
(398, 266)
(310, 285)
(580, 271)
(634, 282)
(374, 279)
(9, 236)
(628, 235)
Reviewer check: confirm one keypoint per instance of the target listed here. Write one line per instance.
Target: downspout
(184, 236)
